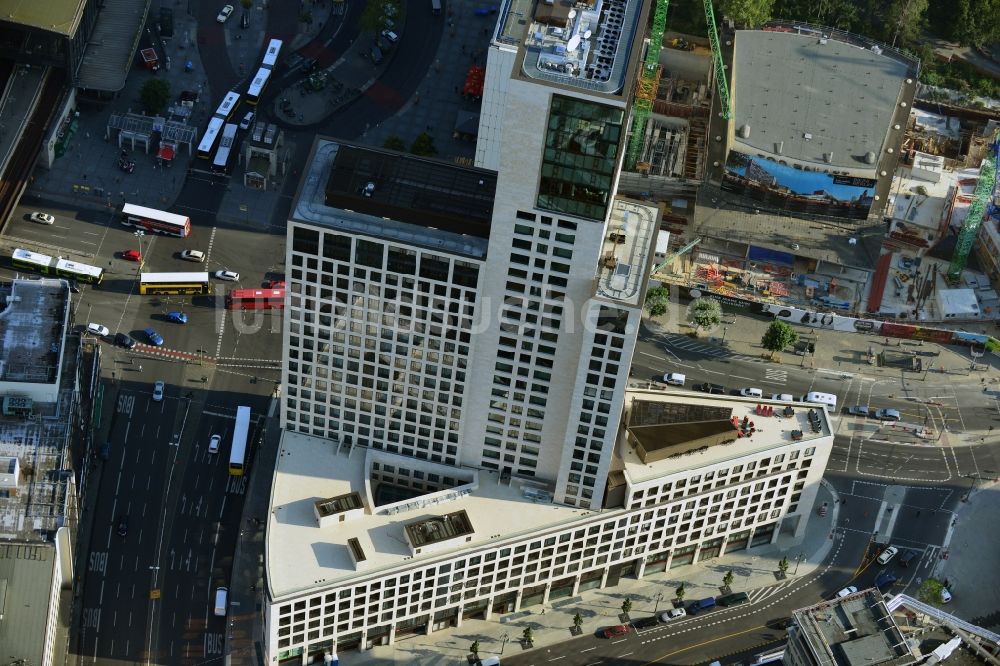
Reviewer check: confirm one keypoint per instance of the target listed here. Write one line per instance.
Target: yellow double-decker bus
(175, 283)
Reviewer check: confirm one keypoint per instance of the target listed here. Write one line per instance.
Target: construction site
(882, 213)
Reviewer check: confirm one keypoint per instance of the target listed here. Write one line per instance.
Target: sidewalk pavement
(88, 177)
(969, 558)
(755, 570)
(836, 351)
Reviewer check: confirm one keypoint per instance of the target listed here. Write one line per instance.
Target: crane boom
(985, 187)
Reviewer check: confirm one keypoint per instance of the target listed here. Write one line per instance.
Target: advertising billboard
(785, 188)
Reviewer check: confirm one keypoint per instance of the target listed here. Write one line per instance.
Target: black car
(245, 20)
(376, 54)
(123, 526)
(907, 557)
(645, 622)
(74, 286)
(123, 340)
(715, 389)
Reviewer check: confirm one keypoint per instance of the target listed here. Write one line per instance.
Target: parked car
(193, 255)
(847, 591)
(105, 451)
(887, 555)
(224, 14)
(644, 622)
(177, 317)
(214, 443)
(42, 218)
(123, 525)
(155, 338)
(734, 599)
(706, 604)
(945, 595)
(714, 389)
(158, 391)
(887, 415)
(375, 53)
(884, 580)
(674, 378)
(616, 631)
(98, 330)
(247, 119)
(274, 284)
(672, 614)
(857, 410)
(231, 276)
(123, 340)
(751, 392)
(907, 557)
(74, 286)
(131, 255)
(390, 36)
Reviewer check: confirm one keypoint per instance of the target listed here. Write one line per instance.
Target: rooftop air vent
(778, 147)
(869, 157)
(369, 189)
(744, 131)
(827, 157)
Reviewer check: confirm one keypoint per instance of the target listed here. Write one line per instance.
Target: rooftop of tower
(415, 200)
(586, 44)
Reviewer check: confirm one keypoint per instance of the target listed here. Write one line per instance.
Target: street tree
(656, 301)
(375, 13)
(680, 592)
(393, 142)
(154, 95)
(577, 621)
(778, 336)
(747, 13)
(727, 580)
(528, 635)
(475, 649)
(705, 313)
(423, 145)
(783, 566)
(930, 591)
(626, 605)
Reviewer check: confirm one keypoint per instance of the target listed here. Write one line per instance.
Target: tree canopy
(705, 312)
(154, 95)
(747, 13)
(778, 336)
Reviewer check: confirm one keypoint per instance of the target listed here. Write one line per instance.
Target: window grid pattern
(378, 343)
(530, 320)
(677, 514)
(595, 430)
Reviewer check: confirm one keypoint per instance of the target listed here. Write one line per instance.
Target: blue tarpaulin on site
(771, 256)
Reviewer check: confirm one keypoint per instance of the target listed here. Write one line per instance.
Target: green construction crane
(673, 255)
(720, 69)
(984, 188)
(649, 78)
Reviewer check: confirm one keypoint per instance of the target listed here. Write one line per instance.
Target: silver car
(158, 391)
(42, 218)
(231, 276)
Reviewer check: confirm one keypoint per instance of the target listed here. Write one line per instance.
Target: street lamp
(798, 558)
(659, 597)
(503, 642)
(725, 329)
(139, 233)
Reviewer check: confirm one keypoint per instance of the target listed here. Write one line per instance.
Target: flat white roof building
(364, 546)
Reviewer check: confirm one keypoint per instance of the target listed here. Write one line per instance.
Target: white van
(783, 397)
(815, 397)
(674, 378)
(752, 393)
(221, 594)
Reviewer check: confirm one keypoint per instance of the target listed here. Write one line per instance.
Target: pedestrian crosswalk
(677, 341)
(776, 376)
(762, 593)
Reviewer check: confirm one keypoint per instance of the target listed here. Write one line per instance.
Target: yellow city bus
(175, 283)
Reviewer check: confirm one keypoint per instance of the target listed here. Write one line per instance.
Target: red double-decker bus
(255, 299)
